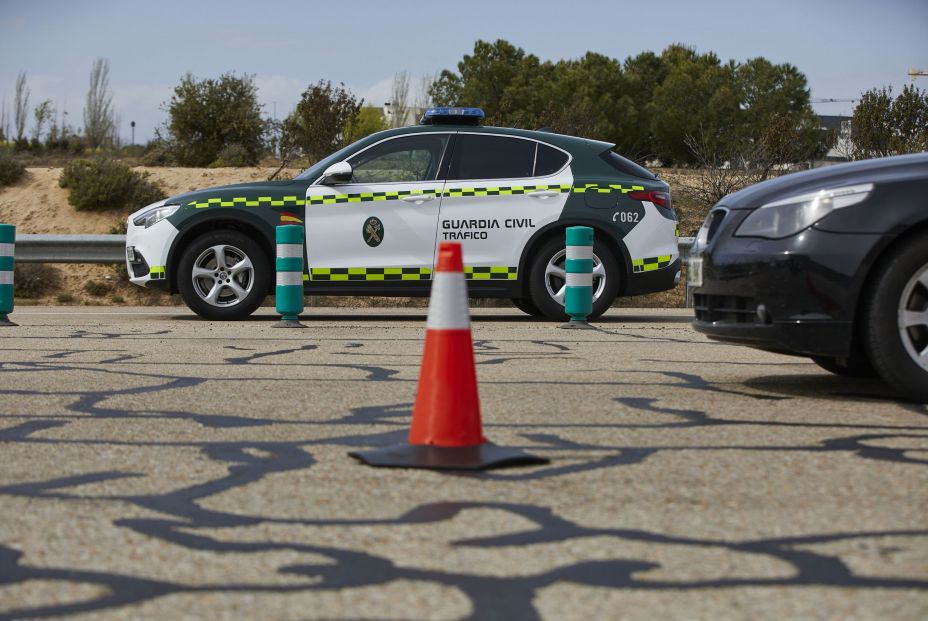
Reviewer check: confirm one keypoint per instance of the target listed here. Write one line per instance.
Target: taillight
(661, 199)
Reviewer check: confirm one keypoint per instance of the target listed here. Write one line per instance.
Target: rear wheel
(223, 274)
(547, 279)
(846, 367)
(895, 316)
(527, 306)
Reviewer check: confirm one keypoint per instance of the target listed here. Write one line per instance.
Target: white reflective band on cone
(579, 252)
(448, 308)
(286, 251)
(6, 278)
(579, 280)
(6, 250)
(289, 278)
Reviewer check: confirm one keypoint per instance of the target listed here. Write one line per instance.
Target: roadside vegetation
(102, 184)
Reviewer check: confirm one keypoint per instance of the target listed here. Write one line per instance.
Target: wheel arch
(556, 229)
(243, 222)
(868, 282)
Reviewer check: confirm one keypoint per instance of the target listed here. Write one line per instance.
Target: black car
(830, 263)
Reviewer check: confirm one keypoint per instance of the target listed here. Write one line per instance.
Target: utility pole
(132, 125)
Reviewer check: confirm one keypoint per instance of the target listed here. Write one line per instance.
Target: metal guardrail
(70, 248)
(112, 249)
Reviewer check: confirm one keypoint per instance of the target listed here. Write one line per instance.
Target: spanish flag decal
(289, 218)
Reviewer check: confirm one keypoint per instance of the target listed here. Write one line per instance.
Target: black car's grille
(725, 308)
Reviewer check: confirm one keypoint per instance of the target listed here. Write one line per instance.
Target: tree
(883, 126)
(207, 116)
(99, 120)
(43, 113)
(399, 99)
(368, 121)
(319, 124)
(20, 107)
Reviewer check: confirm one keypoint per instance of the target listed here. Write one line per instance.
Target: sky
(844, 47)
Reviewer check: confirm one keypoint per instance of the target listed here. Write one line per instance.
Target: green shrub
(117, 299)
(159, 153)
(11, 170)
(33, 280)
(233, 155)
(100, 184)
(96, 289)
(65, 298)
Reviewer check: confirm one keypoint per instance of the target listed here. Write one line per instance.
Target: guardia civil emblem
(373, 232)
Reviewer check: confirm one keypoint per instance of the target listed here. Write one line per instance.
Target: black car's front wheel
(895, 316)
(223, 275)
(548, 279)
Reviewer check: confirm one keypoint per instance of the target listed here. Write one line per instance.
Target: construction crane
(831, 100)
(915, 73)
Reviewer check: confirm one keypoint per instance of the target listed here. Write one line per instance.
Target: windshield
(315, 171)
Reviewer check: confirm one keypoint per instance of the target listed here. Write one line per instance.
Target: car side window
(491, 157)
(548, 160)
(409, 159)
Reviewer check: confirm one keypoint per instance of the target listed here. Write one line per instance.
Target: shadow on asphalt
(421, 316)
(827, 386)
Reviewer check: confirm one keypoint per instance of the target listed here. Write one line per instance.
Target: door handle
(417, 198)
(543, 193)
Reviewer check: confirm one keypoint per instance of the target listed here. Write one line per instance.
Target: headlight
(788, 216)
(155, 215)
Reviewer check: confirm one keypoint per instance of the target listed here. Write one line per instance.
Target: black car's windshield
(319, 167)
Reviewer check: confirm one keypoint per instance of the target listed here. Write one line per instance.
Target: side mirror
(340, 172)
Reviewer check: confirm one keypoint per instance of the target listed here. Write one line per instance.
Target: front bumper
(147, 266)
(796, 295)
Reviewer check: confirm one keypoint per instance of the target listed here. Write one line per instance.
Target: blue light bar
(456, 115)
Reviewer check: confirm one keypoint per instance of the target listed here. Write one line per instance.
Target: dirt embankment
(37, 205)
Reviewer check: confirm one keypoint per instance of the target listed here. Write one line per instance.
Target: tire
(546, 289)
(527, 306)
(895, 319)
(856, 366)
(239, 291)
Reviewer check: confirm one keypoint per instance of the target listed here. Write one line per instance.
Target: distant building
(411, 117)
(844, 145)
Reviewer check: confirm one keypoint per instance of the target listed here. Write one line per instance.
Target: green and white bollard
(578, 295)
(289, 276)
(7, 263)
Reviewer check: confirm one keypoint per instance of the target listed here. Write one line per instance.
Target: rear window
(548, 160)
(491, 157)
(625, 165)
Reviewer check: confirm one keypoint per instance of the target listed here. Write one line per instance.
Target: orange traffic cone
(446, 433)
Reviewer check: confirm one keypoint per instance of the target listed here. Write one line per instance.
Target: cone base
(288, 323)
(479, 457)
(576, 325)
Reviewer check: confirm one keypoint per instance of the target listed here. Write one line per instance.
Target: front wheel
(223, 275)
(855, 366)
(895, 316)
(548, 279)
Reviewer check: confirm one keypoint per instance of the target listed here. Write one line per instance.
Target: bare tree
(99, 121)
(43, 113)
(4, 123)
(399, 99)
(20, 106)
(723, 171)
(423, 97)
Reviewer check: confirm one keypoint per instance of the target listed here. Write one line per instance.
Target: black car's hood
(236, 189)
(866, 171)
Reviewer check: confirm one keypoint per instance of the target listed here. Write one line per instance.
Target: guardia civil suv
(375, 212)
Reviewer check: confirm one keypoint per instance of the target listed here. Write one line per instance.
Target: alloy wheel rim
(556, 277)
(223, 275)
(913, 317)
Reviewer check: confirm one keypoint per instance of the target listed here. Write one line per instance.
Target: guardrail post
(7, 263)
(578, 293)
(289, 291)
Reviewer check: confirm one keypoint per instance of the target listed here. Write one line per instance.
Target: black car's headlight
(788, 216)
(155, 215)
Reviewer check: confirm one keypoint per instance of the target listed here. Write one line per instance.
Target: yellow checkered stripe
(505, 191)
(606, 189)
(490, 272)
(243, 201)
(365, 197)
(676, 230)
(157, 272)
(369, 273)
(650, 264)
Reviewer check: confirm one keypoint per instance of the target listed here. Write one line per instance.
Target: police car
(375, 212)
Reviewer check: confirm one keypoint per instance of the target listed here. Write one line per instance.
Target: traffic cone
(446, 432)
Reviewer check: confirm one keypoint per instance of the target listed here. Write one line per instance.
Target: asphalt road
(156, 466)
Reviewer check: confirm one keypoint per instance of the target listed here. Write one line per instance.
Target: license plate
(694, 272)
